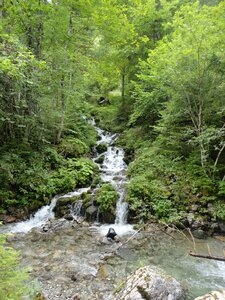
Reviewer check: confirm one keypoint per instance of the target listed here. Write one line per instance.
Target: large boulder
(151, 283)
(212, 296)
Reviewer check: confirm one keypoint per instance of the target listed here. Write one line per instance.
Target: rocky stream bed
(70, 262)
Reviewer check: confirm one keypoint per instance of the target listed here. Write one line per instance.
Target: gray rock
(213, 227)
(194, 207)
(198, 223)
(91, 213)
(212, 296)
(63, 205)
(69, 217)
(199, 234)
(222, 226)
(190, 218)
(151, 283)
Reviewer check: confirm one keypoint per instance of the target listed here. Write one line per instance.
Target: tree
(182, 81)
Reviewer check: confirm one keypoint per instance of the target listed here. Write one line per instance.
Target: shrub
(12, 277)
(107, 197)
(72, 147)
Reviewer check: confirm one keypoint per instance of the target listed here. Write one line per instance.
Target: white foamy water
(40, 218)
(121, 230)
(113, 170)
(43, 214)
(77, 192)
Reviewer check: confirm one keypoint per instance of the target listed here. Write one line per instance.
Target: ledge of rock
(212, 296)
(151, 283)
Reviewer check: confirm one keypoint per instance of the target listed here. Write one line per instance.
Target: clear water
(199, 275)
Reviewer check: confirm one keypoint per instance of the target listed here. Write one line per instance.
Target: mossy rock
(101, 148)
(63, 205)
(87, 199)
(100, 159)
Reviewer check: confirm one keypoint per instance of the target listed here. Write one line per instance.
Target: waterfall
(40, 218)
(113, 170)
(44, 214)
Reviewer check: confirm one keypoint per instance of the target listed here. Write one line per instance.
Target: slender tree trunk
(39, 41)
(59, 134)
(123, 84)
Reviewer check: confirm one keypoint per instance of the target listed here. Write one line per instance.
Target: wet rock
(184, 223)
(107, 217)
(151, 283)
(210, 209)
(190, 218)
(212, 296)
(214, 227)
(107, 241)
(222, 227)
(101, 148)
(85, 224)
(100, 159)
(69, 217)
(199, 234)
(7, 219)
(91, 213)
(63, 205)
(198, 223)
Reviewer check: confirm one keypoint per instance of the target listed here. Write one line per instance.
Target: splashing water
(40, 218)
(43, 214)
(113, 170)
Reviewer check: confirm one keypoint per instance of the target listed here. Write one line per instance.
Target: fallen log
(220, 258)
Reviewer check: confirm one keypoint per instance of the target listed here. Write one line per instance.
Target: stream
(69, 260)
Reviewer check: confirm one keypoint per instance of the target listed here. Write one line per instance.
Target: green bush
(13, 279)
(72, 147)
(30, 177)
(220, 211)
(107, 197)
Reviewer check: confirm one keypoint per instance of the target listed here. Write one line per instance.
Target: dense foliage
(152, 70)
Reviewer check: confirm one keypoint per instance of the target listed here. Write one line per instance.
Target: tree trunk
(59, 134)
(123, 84)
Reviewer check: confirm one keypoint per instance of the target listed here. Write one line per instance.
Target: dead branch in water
(193, 239)
(220, 258)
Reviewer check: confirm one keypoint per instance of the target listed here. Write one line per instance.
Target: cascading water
(113, 170)
(40, 218)
(43, 214)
